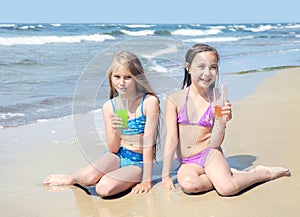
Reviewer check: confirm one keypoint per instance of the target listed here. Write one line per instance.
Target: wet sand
(264, 130)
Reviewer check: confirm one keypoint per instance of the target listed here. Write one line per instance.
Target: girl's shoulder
(178, 95)
(151, 100)
(107, 105)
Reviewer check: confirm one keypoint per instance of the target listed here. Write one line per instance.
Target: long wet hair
(191, 53)
(133, 64)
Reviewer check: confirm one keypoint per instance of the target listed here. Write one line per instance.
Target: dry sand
(264, 130)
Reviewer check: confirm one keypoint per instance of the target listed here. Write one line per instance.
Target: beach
(263, 131)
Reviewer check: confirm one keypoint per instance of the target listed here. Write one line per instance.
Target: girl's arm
(112, 125)
(151, 107)
(170, 143)
(219, 128)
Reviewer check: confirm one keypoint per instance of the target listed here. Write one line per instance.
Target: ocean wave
(115, 33)
(293, 26)
(10, 115)
(40, 40)
(138, 33)
(262, 27)
(30, 27)
(162, 32)
(217, 39)
(7, 25)
(55, 24)
(27, 62)
(158, 68)
(22, 26)
(196, 32)
(138, 26)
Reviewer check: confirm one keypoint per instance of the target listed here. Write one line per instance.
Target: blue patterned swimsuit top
(136, 125)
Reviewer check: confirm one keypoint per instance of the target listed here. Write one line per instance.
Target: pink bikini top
(205, 121)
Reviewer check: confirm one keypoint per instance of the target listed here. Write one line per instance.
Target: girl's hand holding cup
(116, 123)
(222, 107)
(226, 112)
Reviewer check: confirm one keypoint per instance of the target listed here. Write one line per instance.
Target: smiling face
(122, 79)
(203, 69)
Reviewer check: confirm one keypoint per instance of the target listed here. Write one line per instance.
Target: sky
(151, 11)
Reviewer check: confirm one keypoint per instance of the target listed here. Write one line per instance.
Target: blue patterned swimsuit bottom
(130, 158)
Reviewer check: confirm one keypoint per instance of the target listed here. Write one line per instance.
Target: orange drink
(218, 111)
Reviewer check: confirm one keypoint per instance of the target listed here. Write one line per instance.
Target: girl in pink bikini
(196, 136)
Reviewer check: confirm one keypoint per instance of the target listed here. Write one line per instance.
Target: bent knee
(103, 188)
(192, 185)
(228, 190)
(87, 180)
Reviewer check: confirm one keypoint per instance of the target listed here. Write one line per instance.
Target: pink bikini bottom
(198, 159)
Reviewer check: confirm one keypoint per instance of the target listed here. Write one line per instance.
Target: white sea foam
(138, 33)
(261, 28)
(138, 26)
(295, 26)
(158, 68)
(217, 39)
(196, 25)
(7, 25)
(10, 115)
(235, 28)
(27, 27)
(218, 27)
(39, 40)
(55, 24)
(196, 32)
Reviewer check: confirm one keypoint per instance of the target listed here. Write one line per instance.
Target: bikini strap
(142, 106)
(187, 93)
(112, 104)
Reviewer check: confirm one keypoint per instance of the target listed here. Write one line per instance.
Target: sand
(264, 130)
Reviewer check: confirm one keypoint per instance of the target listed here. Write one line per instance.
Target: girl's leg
(192, 179)
(119, 180)
(227, 183)
(88, 175)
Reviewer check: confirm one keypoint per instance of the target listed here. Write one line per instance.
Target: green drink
(122, 113)
(121, 109)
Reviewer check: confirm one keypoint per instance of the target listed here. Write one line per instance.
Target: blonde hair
(132, 63)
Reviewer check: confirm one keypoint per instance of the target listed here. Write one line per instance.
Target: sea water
(43, 66)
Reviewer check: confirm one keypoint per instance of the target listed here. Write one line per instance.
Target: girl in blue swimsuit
(129, 159)
(198, 140)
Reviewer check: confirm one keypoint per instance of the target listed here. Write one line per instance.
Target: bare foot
(57, 188)
(236, 171)
(59, 179)
(274, 172)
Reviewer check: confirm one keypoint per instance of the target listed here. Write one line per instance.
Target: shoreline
(254, 76)
(231, 77)
(263, 131)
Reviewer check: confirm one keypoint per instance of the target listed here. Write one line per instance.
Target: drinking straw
(222, 92)
(119, 95)
(223, 85)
